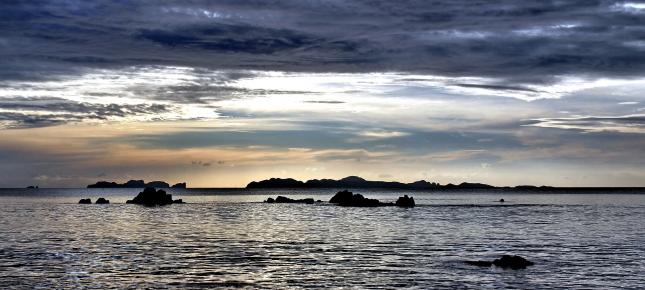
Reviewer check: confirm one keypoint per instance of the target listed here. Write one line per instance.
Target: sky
(220, 93)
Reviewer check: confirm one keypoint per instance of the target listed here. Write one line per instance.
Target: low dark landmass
(347, 182)
(358, 182)
(506, 261)
(136, 184)
(152, 197)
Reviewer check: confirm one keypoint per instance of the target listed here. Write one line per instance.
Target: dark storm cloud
(496, 87)
(518, 42)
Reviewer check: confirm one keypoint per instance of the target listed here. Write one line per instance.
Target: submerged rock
(282, 199)
(85, 201)
(480, 263)
(151, 197)
(506, 261)
(405, 201)
(102, 201)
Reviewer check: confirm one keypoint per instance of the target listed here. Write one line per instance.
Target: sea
(229, 238)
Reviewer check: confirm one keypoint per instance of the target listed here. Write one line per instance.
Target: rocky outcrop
(506, 261)
(282, 199)
(405, 201)
(102, 201)
(151, 197)
(347, 198)
(85, 201)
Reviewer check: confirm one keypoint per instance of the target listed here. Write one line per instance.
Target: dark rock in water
(342, 197)
(102, 201)
(178, 201)
(480, 263)
(513, 262)
(85, 201)
(347, 198)
(282, 199)
(151, 197)
(501, 200)
(506, 261)
(179, 185)
(405, 201)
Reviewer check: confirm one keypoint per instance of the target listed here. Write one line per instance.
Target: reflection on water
(230, 240)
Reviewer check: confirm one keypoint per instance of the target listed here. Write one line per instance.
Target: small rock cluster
(405, 201)
(151, 197)
(89, 201)
(282, 199)
(347, 198)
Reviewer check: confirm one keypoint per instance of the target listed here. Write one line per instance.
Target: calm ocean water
(228, 238)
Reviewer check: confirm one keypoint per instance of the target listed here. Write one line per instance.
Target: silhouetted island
(347, 182)
(135, 184)
(151, 197)
(358, 182)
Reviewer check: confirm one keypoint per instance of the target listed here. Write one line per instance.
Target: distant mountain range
(135, 184)
(358, 182)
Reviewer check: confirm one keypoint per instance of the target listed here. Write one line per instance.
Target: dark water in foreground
(226, 238)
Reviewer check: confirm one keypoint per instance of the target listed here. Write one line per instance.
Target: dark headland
(136, 184)
(358, 182)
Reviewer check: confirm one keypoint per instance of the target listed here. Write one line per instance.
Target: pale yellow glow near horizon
(78, 149)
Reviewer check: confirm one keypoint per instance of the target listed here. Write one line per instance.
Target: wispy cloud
(622, 124)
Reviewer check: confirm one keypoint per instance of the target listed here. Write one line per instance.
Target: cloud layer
(513, 42)
(222, 92)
